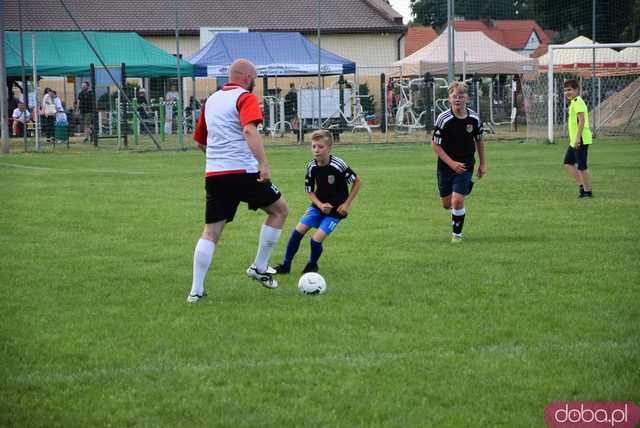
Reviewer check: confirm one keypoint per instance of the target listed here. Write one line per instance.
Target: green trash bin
(61, 133)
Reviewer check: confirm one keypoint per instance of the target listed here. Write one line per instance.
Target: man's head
(571, 89)
(243, 73)
(458, 94)
(85, 86)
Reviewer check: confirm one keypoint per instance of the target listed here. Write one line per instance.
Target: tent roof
(575, 57)
(477, 51)
(66, 53)
(631, 54)
(274, 54)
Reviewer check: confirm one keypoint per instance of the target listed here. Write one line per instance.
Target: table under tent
(613, 85)
(292, 58)
(419, 80)
(65, 58)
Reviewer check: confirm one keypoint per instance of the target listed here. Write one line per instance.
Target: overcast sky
(402, 6)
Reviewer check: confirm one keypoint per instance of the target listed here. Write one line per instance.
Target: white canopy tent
(631, 55)
(582, 57)
(475, 53)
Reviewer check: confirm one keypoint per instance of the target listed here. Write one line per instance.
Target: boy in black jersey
(456, 137)
(327, 185)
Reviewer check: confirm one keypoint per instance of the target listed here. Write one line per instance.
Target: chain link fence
(122, 106)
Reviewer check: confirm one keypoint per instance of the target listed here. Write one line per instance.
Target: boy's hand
(458, 167)
(482, 170)
(343, 209)
(326, 208)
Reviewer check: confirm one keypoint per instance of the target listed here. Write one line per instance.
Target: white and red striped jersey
(220, 127)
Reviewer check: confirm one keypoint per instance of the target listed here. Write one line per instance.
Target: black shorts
(577, 156)
(449, 181)
(225, 192)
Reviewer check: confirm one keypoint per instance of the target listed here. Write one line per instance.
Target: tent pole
(319, 65)
(193, 103)
(4, 106)
(451, 43)
(35, 89)
(25, 85)
(179, 114)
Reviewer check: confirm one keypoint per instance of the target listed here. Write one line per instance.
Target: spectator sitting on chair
(20, 118)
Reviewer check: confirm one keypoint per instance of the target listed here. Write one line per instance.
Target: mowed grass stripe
(538, 304)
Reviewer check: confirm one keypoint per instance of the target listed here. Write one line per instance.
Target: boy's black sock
(292, 247)
(316, 251)
(457, 220)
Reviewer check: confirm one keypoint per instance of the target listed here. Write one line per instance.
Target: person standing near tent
(85, 105)
(237, 171)
(171, 98)
(291, 104)
(48, 114)
(143, 104)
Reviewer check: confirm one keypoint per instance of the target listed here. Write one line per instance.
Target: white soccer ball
(312, 283)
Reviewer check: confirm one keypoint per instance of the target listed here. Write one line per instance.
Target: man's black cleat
(310, 267)
(283, 269)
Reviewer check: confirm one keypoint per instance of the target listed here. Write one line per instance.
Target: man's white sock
(269, 237)
(201, 260)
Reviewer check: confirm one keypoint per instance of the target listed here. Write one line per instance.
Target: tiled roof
(417, 38)
(157, 17)
(511, 33)
(541, 50)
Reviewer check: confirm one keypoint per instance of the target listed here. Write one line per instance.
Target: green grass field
(539, 303)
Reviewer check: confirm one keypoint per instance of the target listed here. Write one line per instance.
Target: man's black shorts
(577, 156)
(225, 192)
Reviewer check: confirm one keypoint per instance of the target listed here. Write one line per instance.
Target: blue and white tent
(274, 54)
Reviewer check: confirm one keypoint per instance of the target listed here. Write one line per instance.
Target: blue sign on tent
(274, 54)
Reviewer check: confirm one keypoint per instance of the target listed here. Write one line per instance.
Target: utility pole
(451, 40)
(4, 106)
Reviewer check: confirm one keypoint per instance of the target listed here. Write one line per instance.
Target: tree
(631, 31)
(430, 12)
(616, 20)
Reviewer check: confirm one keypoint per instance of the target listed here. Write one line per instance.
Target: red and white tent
(631, 55)
(581, 59)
